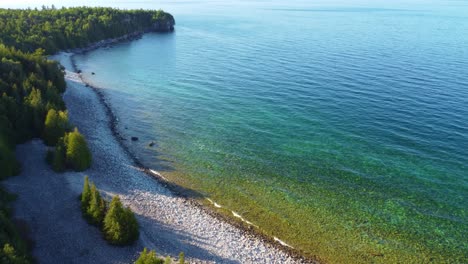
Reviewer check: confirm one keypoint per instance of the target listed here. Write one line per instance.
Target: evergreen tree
(85, 195)
(96, 208)
(131, 225)
(59, 156)
(8, 164)
(168, 260)
(35, 104)
(55, 126)
(8, 255)
(181, 258)
(78, 155)
(148, 257)
(120, 225)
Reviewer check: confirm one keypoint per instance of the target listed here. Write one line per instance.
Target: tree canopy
(77, 154)
(120, 224)
(56, 124)
(148, 257)
(54, 29)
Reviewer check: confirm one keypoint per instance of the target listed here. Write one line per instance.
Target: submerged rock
(151, 144)
(134, 138)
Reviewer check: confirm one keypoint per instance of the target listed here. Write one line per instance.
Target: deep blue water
(350, 112)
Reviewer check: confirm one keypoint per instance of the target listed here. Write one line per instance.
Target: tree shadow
(169, 241)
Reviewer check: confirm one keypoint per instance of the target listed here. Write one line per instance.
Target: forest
(54, 29)
(31, 88)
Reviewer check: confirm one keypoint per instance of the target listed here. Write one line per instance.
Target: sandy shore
(168, 223)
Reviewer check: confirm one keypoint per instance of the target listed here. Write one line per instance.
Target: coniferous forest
(31, 88)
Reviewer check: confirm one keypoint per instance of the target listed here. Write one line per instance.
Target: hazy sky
(162, 3)
(181, 7)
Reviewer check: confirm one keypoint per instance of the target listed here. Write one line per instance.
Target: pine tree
(96, 208)
(78, 155)
(148, 257)
(8, 255)
(181, 258)
(85, 195)
(35, 103)
(55, 126)
(120, 225)
(59, 156)
(50, 135)
(131, 226)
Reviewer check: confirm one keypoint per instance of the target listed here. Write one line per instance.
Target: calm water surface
(341, 128)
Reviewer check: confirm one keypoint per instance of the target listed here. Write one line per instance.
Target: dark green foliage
(120, 225)
(97, 207)
(93, 206)
(57, 29)
(8, 164)
(59, 156)
(71, 152)
(85, 195)
(8, 255)
(78, 156)
(30, 85)
(12, 249)
(56, 124)
(181, 258)
(148, 257)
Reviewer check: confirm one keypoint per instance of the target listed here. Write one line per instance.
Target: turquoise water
(345, 124)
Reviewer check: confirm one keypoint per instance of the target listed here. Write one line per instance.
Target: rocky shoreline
(247, 228)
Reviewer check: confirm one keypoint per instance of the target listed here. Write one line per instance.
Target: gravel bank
(168, 223)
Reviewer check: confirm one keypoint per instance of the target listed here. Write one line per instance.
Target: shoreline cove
(230, 217)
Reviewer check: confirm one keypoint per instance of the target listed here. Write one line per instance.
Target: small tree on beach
(96, 208)
(77, 151)
(85, 195)
(55, 126)
(120, 224)
(181, 258)
(59, 156)
(148, 257)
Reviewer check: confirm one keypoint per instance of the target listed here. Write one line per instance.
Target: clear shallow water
(339, 128)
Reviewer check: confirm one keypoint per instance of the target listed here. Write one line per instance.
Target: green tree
(35, 103)
(8, 255)
(55, 126)
(148, 257)
(78, 155)
(120, 225)
(59, 156)
(181, 258)
(96, 208)
(8, 164)
(85, 195)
